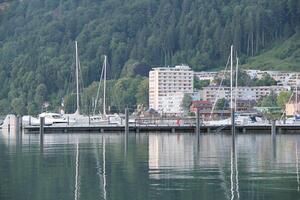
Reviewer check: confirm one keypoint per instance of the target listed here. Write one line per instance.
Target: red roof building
(201, 105)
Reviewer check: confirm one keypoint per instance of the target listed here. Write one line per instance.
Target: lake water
(149, 166)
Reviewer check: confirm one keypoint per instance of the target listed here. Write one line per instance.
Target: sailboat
(76, 117)
(104, 118)
(228, 120)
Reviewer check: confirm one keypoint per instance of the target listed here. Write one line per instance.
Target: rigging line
(217, 98)
(81, 85)
(98, 91)
(292, 94)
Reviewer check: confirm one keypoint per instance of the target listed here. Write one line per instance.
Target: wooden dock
(161, 128)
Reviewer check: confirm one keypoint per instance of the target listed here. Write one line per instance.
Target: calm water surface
(149, 166)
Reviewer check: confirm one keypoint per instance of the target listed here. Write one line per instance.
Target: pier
(241, 129)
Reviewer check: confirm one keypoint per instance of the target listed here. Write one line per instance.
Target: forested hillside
(37, 40)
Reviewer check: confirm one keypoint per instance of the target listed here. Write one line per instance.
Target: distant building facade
(292, 108)
(283, 78)
(212, 93)
(206, 75)
(167, 86)
(201, 106)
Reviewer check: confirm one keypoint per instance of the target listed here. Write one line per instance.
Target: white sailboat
(104, 117)
(228, 120)
(76, 117)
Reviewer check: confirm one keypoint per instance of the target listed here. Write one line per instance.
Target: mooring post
(42, 123)
(21, 124)
(8, 125)
(198, 122)
(273, 127)
(68, 120)
(126, 121)
(29, 123)
(244, 130)
(89, 120)
(17, 124)
(284, 118)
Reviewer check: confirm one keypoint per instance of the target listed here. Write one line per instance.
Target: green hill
(284, 55)
(37, 41)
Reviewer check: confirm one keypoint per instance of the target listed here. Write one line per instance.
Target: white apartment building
(167, 86)
(283, 78)
(212, 93)
(206, 75)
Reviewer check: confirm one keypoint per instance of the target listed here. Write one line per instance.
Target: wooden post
(284, 118)
(42, 123)
(21, 123)
(273, 127)
(198, 122)
(172, 130)
(17, 124)
(8, 125)
(244, 130)
(126, 121)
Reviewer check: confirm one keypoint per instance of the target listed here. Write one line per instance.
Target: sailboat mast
(231, 77)
(77, 79)
(231, 93)
(296, 110)
(104, 86)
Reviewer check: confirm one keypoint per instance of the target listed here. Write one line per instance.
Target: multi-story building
(212, 93)
(206, 75)
(167, 86)
(283, 78)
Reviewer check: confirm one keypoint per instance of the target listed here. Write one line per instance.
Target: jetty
(284, 129)
(15, 123)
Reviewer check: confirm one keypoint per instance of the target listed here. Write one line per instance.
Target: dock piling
(273, 128)
(42, 123)
(198, 122)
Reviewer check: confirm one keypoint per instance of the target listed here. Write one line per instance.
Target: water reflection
(234, 175)
(149, 166)
(297, 166)
(77, 178)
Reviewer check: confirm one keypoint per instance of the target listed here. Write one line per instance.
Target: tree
(32, 109)
(268, 101)
(199, 84)
(222, 104)
(266, 80)
(4, 107)
(283, 98)
(186, 102)
(18, 106)
(40, 94)
(142, 95)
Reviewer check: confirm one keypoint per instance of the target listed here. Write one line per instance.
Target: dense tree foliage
(186, 103)
(37, 39)
(222, 104)
(121, 93)
(244, 79)
(199, 84)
